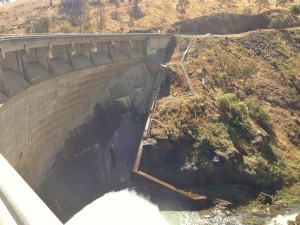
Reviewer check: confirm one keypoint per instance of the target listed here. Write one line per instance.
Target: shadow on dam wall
(98, 155)
(97, 158)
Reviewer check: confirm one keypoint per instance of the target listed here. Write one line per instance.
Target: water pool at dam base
(128, 207)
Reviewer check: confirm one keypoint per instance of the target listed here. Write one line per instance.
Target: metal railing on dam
(8, 41)
(27, 59)
(22, 202)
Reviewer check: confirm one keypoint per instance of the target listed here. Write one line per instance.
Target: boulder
(264, 198)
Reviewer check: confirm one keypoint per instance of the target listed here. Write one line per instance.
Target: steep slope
(241, 128)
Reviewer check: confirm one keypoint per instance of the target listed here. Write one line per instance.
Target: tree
(222, 61)
(117, 5)
(181, 6)
(231, 72)
(74, 9)
(42, 25)
(295, 10)
(135, 11)
(283, 2)
(135, 2)
(261, 4)
(247, 71)
(99, 14)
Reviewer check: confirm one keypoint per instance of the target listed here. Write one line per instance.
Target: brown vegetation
(245, 112)
(151, 15)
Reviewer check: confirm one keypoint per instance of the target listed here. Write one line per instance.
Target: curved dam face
(72, 112)
(75, 136)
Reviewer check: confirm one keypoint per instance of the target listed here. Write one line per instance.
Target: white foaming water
(123, 207)
(127, 208)
(283, 219)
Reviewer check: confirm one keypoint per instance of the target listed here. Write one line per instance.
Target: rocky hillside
(241, 128)
(201, 16)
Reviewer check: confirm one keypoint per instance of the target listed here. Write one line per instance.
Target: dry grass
(159, 15)
(270, 85)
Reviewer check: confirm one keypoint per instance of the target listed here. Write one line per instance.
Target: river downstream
(127, 207)
(189, 218)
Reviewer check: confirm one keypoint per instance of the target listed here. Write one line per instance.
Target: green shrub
(283, 53)
(257, 112)
(3, 29)
(297, 38)
(220, 136)
(28, 28)
(295, 10)
(88, 28)
(220, 130)
(65, 27)
(203, 150)
(240, 128)
(194, 105)
(276, 64)
(266, 175)
(238, 124)
(187, 127)
(278, 22)
(225, 100)
(239, 110)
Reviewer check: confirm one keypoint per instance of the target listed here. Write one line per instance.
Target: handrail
(21, 201)
(9, 42)
(72, 35)
(183, 68)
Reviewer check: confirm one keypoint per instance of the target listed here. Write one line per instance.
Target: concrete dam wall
(74, 137)
(72, 113)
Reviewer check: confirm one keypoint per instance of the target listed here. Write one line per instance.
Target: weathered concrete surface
(99, 154)
(37, 72)
(3, 98)
(135, 53)
(15, 83)
(68, 136)
(80, 61)
(75, 136)
(118, 55)
(58, 65)
(101, 58)
(35, 123)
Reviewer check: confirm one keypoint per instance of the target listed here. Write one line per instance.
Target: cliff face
(242, 125)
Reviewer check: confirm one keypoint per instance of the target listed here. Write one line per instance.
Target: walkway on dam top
(7, 40)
